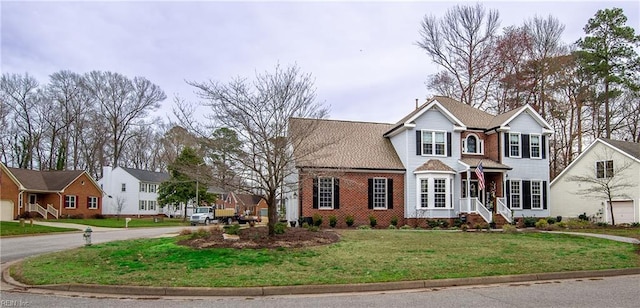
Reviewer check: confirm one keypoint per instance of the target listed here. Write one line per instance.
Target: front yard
(120, 223)
(362, 256)
(10, 228)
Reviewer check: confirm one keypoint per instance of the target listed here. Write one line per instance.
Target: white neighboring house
(603, 160)
(136, 190)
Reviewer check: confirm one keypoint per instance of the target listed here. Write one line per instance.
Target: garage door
(6, 210)
(623, 212)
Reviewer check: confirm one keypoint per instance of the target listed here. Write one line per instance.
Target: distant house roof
(631, 148)
(344, 144)
(147, 176)
(246, 199)
(45, 180)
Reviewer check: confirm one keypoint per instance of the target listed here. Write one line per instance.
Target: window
(92, 203)
(151, 205)
(379, 193)
(536, 195)
(514, 144)
(424, 193)
(124, 187)
(472, 145)
(473, 190)
(69, 202)
(143, 187)
(604, 169)
(325, 193)
(434, 143)
(152, 188)
(534, 146)
(434, 191)
(440, 193)
(515, 187)
(143, 205)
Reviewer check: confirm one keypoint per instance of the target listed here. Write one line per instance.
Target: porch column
(468, 188)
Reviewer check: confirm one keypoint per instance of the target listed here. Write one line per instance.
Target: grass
(633, 232)
(362, 256)
(8, 228)
(120, 223)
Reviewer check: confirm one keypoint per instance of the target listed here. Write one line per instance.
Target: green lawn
(120, 223)
(626, 232)
(13, 228)
(361, 256)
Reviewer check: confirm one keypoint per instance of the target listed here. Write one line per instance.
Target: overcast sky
(362, 55)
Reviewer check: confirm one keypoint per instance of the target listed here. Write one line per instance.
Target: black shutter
(315, 193)
(87, 203)
(544, 195)
(336, 194)
(506, 144)
(370, 194)
(525, 146)
(508, 193)
(526, 195)
(418, 142)
(390, 194)
(544, 147)
(449, 144)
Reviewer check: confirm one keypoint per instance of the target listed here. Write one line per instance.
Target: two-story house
(425, 166)
(132, 192)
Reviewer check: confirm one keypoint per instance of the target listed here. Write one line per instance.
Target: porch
(483, 190)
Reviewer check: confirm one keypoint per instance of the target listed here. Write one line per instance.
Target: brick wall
(354, 199)
(81, 188)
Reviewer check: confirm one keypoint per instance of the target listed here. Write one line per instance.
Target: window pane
(600, 169)
(380, 193)
(471, 144)
(609, 172)
(439, 188)
(515, 194)
(424, 193)
(514, 145)
(535, 146)
(536, 195)
(325, 193)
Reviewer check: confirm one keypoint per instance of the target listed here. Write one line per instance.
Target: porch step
(474, 219)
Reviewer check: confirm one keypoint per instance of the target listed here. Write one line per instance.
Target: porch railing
(504, 210)
(52, 210)
(473, 205)
(33, 207)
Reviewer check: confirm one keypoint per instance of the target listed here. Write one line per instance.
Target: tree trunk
(613, 220)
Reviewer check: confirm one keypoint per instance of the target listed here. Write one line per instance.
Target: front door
(473, 190)
(33, 198)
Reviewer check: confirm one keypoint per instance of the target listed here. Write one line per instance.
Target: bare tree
(609, 181)
(463, 43)
(259, 111)
(119, 206)
(123, 102)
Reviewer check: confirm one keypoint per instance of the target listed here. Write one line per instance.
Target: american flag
(480, 175)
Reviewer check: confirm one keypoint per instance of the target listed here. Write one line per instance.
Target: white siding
(112, 181)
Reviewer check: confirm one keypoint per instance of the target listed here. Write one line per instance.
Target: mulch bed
(257, 238)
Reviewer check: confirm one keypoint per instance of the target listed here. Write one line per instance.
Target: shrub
(509, 229)
(232, 229)
(185, 232)
(406, 227)
(313, 228)
(26, 215)
(349, 220)
(578, 224)
(373, 221)
(558, 218)
(542, 224)
(562, 225)
(551, 220)
(394, 221)
(363, 227)
(333, 221)
(464, 227)
(98, 216)
(553, 227)
(443, 224)
(317, 220)
(280, 228)
(391, 227)
(529, 222)
(477, 227)
(432, 223)
(583, 216)
(305, 225)
(201, 233)
(602, 224)
(635, 224)
(457, 223)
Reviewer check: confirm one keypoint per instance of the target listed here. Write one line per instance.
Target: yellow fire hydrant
(87, 236)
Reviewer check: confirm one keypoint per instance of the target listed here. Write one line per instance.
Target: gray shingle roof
(147, 176)
(631, 148)
(45, 180)
(343, 144)
(434, 165)
(486, 163)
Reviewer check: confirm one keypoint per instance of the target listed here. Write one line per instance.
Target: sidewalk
(73, 226)
(616, 238)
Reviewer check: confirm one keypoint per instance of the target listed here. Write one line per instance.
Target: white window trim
(75, 201)
(479, 145)
(431, 191)
(320, 207)
(93, 199)
(433, 144)
(541, 194)
(386, 194)
(511, 194)
(519, 145)
(604, 169)
(539, 146)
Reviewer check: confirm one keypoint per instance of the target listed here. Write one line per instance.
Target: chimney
(416, 103)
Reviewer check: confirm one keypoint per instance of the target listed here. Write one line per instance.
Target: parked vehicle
(207, 215)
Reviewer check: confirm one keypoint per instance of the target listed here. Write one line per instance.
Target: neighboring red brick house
(48, 194)
(242, 203)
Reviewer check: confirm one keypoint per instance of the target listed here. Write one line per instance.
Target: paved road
(15, 248)
(619, 291)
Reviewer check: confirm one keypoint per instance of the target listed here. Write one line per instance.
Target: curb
(317, 289)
